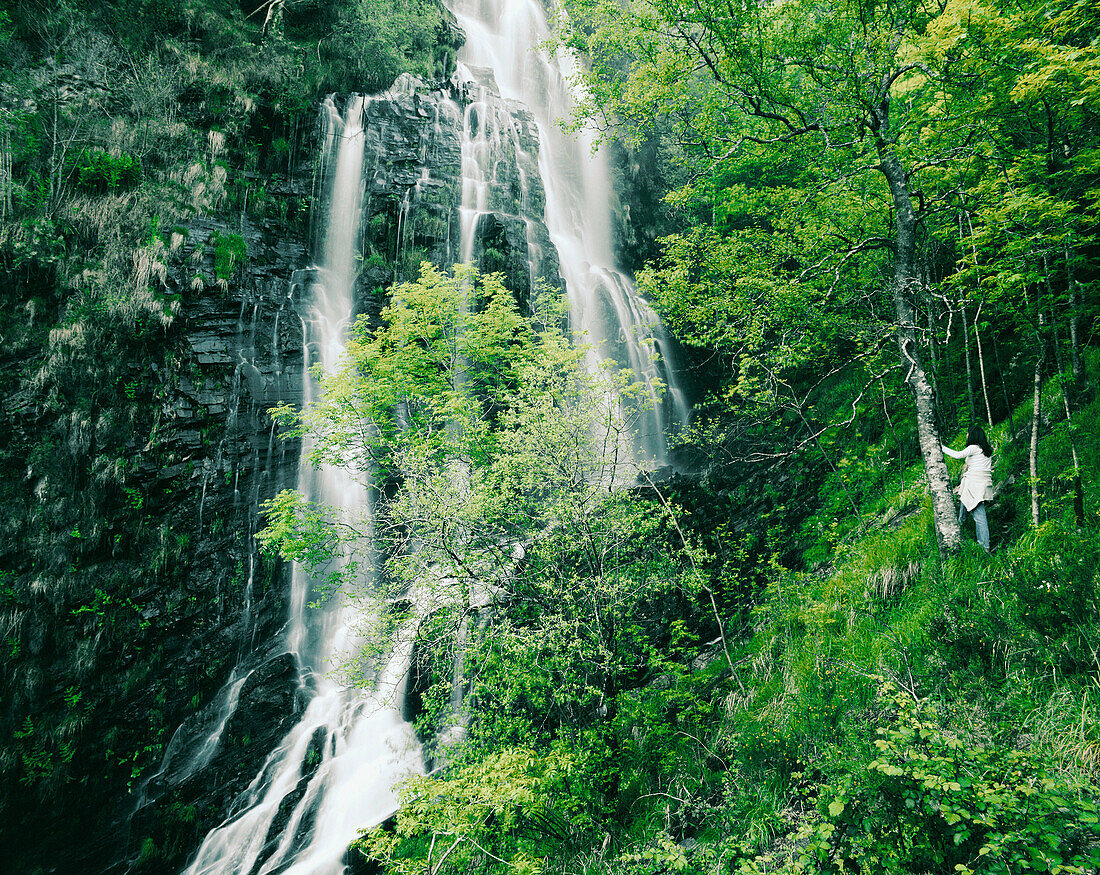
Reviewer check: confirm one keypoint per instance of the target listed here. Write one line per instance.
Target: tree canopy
(856, 171)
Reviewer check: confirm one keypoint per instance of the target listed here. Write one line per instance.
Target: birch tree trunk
(981, 368)
(1078, 485)
(5, 174)
(905, 285)
(1037, 398)
(971, 408)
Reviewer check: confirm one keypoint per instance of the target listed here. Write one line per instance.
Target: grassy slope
(999, 650)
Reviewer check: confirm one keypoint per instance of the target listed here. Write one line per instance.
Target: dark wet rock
(421, 678)
(268, 703)
(241, 354)
(313, 758)
(413, 189)
(183, 803)
(215, 609)
(211, 602)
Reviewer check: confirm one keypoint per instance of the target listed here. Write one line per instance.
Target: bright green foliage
(40, 754)
(452, 350)
(930, 801)
(784, 119)
(509, 802)
(100, 172)
(484, 418)
(382, 38)
(555, 592)
(744, 295)
(979, 752)
(302, 533)
(1029, 184)
(499, 441)
(230, 253)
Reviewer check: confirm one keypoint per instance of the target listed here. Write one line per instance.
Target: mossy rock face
(131, 602)
(185, 804)
(414, 191)
(502, 246)
(640, 217)
(148, 288)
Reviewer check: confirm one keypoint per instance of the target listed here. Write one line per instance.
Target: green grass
(1001, 650)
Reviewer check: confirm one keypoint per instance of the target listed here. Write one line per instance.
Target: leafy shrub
(230, 252)
(930, 802)
(1053, 572)
(100, 172)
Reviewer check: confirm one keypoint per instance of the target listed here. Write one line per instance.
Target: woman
(976, 484)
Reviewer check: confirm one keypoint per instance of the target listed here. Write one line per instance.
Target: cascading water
(502, 37)
(334, 773)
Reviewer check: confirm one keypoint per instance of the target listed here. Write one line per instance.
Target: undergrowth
(882, 709)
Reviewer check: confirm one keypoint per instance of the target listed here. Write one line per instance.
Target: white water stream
(502, 38)
(337, 767)
(334, 772)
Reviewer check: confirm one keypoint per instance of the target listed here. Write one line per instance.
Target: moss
(230, 254)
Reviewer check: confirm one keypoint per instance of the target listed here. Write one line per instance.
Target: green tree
(548, 589)
(498, 441)
(843, 89)
(384, 38)
(851, 163)
(1030, 207)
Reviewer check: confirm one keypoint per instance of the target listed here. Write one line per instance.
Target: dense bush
(890, 711)
(931, 801)
(230, 252)
(100, 172)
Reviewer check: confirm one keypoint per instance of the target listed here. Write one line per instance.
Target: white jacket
(976, 484)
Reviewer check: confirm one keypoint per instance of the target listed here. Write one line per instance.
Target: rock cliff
(147, 668)
(135, 645)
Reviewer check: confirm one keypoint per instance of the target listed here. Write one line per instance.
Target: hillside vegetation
(664, 683)
(877, 228)
(869, 226)
(722, 672)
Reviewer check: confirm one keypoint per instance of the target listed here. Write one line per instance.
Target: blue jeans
(981, 522)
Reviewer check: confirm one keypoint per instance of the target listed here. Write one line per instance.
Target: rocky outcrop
(241, 353)
(640, 215)
(415, 178)
(153, 626)
(412, 168)
(186, 702)
(138, 620)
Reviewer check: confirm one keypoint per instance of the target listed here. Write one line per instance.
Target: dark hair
(977, 437)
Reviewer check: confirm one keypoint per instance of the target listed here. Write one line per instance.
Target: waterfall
(520, 176)
(335, 771)
(503, 37)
